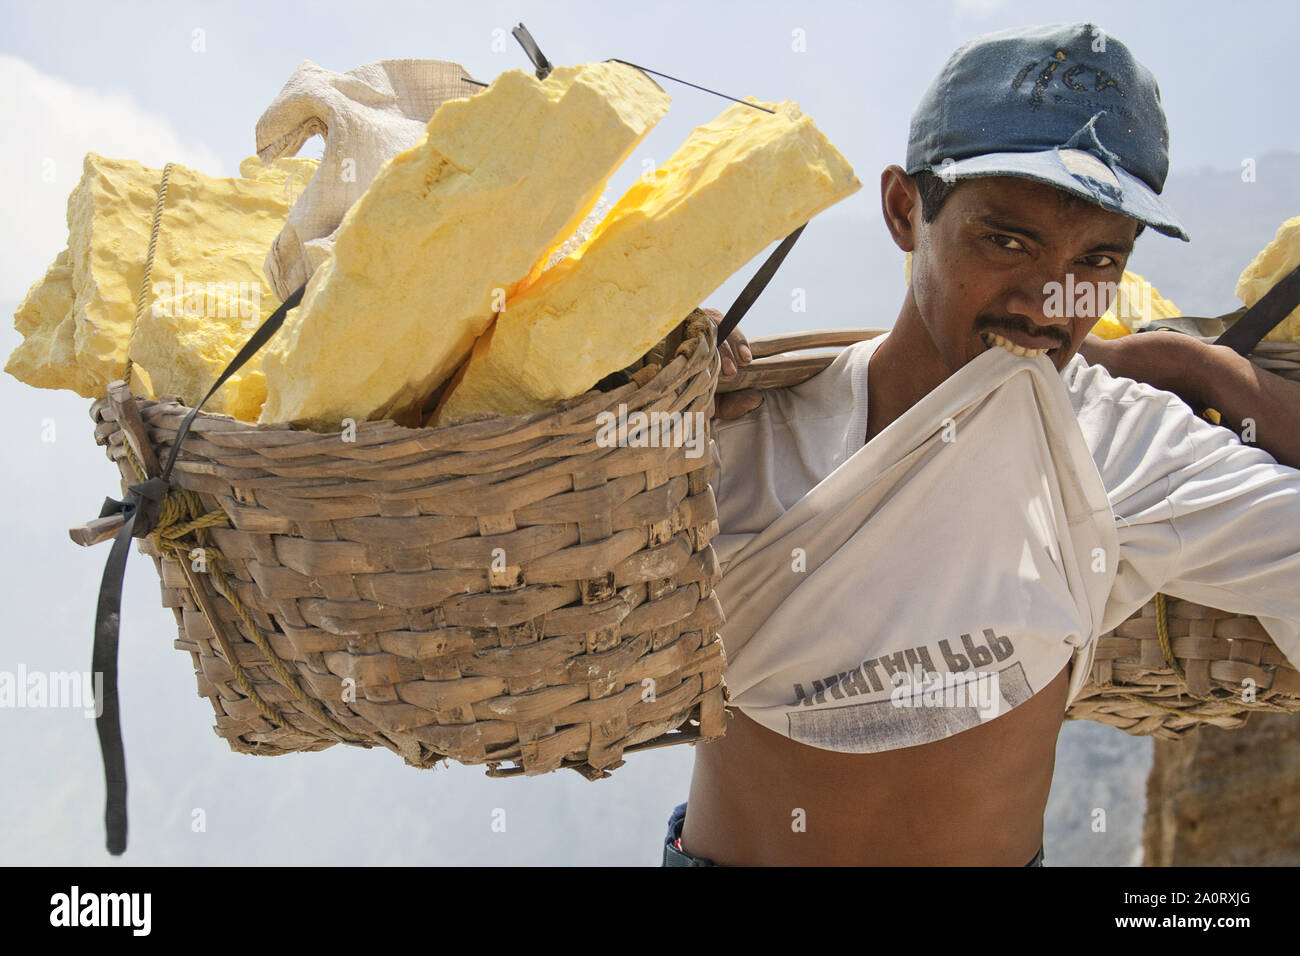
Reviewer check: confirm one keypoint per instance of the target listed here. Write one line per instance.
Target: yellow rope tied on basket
(1166, 648)
(1162, 632)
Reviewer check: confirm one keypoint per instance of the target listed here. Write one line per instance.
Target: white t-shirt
(889, 595)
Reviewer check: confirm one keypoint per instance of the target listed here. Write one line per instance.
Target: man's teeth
(992, 338)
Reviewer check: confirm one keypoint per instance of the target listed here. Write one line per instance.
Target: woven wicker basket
(501, 591)
(1171, 667)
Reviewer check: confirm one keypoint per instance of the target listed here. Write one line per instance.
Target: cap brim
(1133, 198)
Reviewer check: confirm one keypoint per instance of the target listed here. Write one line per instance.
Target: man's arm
(1204, 375)
(1237, 518)
(1200, 515)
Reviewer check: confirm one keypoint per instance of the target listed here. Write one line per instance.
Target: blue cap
(1065, 105)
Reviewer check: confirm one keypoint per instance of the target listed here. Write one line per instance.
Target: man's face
(1010, 257)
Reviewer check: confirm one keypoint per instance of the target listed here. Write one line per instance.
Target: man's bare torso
(974, 799)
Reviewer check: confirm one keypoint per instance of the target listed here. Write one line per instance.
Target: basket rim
(699, 337)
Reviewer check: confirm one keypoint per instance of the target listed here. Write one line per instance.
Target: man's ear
(900, 202)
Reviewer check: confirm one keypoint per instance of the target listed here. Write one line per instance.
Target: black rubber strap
(141, 506)
(756, 285)
(251, 348)
(108, 722)
(540, 63)
(142, 502)
(1264, 316)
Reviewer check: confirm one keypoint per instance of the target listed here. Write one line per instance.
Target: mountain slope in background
(1229, 221)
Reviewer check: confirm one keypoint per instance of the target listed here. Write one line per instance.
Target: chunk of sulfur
(77, 320)
(1136, 304)
(209, 290)
(736, 184)
(1274, 262)
(208, 293)
(45, 358)
(443, 234)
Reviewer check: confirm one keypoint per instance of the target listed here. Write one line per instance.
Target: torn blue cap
(1066, 105)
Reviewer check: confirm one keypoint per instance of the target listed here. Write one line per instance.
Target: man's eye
(1100, 261)
(1006, 242)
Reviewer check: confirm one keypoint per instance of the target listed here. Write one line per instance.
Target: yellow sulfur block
(208, 288)
(45, 357)
(1135, 304)
(109, 217)
(736, 184)
(1273, 263)
(1109, 329)
(445, 232)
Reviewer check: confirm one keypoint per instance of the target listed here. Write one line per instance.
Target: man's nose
(1045, 298)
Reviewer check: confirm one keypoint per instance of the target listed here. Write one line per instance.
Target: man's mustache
(1003, 325)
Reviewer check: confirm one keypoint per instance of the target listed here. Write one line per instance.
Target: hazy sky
(186, 82)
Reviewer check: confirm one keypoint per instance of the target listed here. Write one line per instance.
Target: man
(1065, 497)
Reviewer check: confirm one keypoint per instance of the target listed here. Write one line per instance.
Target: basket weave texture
(507, 590)
(1280, 358)
(1208, 667)
(1171, 667)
